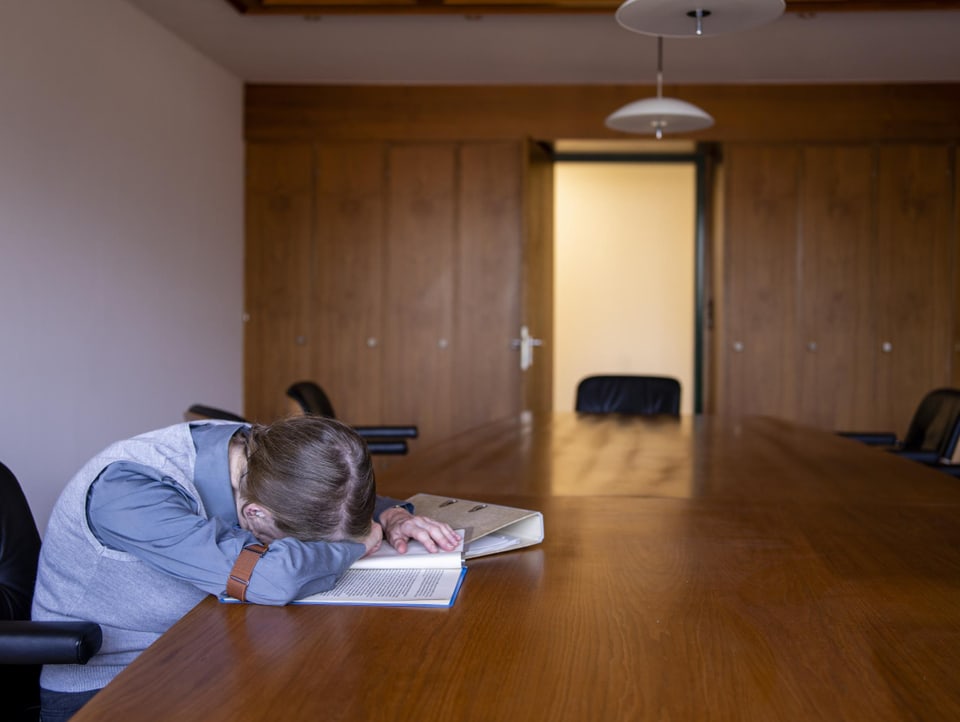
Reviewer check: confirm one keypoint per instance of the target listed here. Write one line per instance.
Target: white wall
(121, 234)
(624, 273)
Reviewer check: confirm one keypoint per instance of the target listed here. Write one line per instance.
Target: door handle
(526, 343)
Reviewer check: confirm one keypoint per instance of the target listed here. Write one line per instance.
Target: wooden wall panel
(538, 216)
(487, 310)
(277, 275)
(760, 355)
(836, 287)
(419, 283)
(743, 113)
(914, 315)
(955, 266)
(795, 207)
(346, 350)
(873, 304)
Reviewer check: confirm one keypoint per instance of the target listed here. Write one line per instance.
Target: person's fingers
(442, 533)
(438, 534)
(412, 528)
(449, 535)
(432, 534)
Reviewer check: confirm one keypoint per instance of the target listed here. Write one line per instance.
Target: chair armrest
(871, 438)
(924, 457)
(387, 432)
(387, 447)
(26, 642)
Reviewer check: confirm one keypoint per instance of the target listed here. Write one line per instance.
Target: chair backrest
(19, 553)
(19, 549)
(936, 424)
(198, 412)
(311, 398)
(645, 395)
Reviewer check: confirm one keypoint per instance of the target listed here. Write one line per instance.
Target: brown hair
(314, 474)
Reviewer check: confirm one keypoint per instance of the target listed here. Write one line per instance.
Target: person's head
(312, 476)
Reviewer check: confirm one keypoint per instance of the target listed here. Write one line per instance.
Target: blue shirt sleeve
(134, 509)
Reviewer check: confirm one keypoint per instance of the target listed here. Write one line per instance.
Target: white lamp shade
(668, 114)
(677, 18)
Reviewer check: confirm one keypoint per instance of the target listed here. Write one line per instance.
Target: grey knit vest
(81, 579)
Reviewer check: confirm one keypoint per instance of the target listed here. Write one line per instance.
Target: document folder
(488, 528)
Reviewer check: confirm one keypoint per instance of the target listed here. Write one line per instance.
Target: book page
(490, 544)
(416, 557)
(406, 587)
(416, 578)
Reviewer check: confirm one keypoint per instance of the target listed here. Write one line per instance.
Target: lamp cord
(659, 66)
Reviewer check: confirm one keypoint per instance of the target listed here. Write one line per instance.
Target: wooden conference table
(692, 570)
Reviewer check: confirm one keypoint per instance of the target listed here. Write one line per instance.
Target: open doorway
(627, 259)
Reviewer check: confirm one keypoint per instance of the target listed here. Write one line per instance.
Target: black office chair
(932, 435)
(639, 395)
(312, 399)
(201, 411)
(26, 645)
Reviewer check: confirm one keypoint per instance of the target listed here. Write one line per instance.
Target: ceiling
(547, 48)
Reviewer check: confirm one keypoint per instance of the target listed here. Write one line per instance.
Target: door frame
(702, 159)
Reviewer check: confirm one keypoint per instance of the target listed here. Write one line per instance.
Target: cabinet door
(836, 260)
(277, 275)
(419, 287)
(488, 255)
(537, 277)
(914, 221)
(390, 274)
(454, 242)
(760, 262)
(346, 348)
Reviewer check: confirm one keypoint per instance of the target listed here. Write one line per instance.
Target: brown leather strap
(239, 578)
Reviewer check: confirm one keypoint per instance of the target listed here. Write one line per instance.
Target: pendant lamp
(686, 18)
(659, 115)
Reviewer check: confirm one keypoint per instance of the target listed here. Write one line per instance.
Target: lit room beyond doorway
(624, 275)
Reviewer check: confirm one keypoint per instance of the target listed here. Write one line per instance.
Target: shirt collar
(211, 474)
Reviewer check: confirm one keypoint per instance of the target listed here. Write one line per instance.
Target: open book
(488, 528)
(389, 578)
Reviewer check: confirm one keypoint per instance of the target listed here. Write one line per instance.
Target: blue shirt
(134, 509)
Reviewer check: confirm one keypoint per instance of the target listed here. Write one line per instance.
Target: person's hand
(400, 526)
(373, 539)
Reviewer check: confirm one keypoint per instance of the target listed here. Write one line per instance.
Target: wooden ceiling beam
(743, 113)
(496, 7)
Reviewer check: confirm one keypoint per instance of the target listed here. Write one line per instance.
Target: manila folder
(488, 528)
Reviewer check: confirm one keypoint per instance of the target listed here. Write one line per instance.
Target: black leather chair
(932, 435)
(202, 411)
(639, 395)
(26, 645)
(312, 399)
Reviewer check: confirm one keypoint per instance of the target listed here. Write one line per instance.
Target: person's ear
(254, 511)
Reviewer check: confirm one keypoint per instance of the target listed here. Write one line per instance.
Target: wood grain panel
(487, 7)
(955, 265)
(743, 113)
(754, 460)
(760, 265)
(914, 229)
(346, 350)
(277, 274)
(489, 265)
(836, 280)
(419, 277)
(538, 276)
